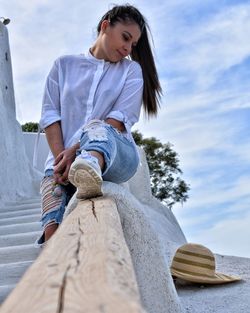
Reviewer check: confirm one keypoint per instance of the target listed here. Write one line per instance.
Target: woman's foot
(86, 176)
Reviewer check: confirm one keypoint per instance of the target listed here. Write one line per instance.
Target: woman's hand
(62, 164)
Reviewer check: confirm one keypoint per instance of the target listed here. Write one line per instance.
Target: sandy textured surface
(227, 298)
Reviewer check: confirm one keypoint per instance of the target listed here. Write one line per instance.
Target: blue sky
(202, 51)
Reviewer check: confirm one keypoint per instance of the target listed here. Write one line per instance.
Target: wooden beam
(85, 267)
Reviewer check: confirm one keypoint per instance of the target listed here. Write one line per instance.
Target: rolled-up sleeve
(51, 99)
(128, 105)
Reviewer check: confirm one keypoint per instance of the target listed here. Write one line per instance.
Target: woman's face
(117, 41)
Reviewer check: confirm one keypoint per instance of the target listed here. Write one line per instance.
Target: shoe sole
(87, 182)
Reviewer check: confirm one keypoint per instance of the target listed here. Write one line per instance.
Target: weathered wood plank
(86, 267)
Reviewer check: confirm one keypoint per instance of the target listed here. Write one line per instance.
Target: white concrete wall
(43, 149)
(18, 179)
(6, 85)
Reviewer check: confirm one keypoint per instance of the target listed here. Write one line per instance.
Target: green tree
(30, 127)
(163, 162)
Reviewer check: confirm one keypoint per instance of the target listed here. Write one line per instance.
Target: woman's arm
(50, 122)
(63, 157)
(54, 137)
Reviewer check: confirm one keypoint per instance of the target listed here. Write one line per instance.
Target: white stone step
(24, 201)
(19, 239)
(21, 253)
(19, 213)
(11, 273)
(5, 290)
(20, 228)
(19, 220)
(19, 207)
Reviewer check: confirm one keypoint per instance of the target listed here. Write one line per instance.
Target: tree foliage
(164, 169)
(30, 127)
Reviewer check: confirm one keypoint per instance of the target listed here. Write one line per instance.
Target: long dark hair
(142, 53)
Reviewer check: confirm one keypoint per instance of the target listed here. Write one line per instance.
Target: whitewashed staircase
(19, 228)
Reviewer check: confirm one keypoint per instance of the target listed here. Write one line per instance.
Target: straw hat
(196, 263)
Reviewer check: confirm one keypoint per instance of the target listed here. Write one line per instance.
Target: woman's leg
(99, 157)
(54, 200)
(116, 155)
(49, 231)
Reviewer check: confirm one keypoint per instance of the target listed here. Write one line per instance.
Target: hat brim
(218, 278)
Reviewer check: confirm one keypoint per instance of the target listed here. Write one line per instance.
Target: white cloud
(216, 210)
(212, 46)
(229, 237)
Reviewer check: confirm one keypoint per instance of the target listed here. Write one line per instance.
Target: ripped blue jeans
(121, 162)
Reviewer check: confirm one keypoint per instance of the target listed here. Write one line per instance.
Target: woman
(90, 104)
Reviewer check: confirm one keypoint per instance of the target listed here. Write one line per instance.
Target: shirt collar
(90, 57)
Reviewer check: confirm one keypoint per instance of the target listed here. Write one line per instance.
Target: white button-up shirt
(80, 88)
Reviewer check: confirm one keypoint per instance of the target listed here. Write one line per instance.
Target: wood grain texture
(85, 267)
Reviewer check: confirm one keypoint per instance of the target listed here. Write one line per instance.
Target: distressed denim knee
(120, 155)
